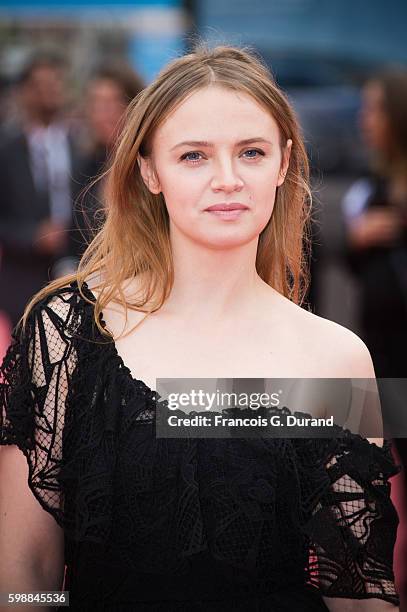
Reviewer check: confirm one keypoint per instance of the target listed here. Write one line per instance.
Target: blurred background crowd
(68, 71)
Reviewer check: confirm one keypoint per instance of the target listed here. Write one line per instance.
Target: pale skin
(221, 319)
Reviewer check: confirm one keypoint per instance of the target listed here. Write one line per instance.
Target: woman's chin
(223, 242)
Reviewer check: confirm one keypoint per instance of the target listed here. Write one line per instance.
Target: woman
(375, 210)
(109, 90)
(197, 272)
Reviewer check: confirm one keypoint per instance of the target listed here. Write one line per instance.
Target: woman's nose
(226, 179)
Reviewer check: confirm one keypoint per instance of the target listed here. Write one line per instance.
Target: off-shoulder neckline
(138, 382)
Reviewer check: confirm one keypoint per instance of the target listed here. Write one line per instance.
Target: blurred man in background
(37, 163)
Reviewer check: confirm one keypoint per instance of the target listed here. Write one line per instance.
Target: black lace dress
(185, 524)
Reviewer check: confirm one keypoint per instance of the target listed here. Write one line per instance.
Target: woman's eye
(257, 152)
(196, 156)
(192, 156)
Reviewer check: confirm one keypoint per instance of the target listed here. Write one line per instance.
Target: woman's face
(219, 147)
(374, 120)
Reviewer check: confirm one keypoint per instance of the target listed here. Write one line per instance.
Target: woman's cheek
(178, 181)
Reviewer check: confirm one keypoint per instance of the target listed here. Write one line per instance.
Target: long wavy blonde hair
(134, 237)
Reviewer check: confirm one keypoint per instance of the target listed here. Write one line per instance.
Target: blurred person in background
(375, 210)
(109, 91)
(37, 163)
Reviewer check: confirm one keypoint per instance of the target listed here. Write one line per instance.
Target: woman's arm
(352, 524)
(35, 377)
(31, 542)
(356, 605)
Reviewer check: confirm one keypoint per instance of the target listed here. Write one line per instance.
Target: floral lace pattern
(151, 520)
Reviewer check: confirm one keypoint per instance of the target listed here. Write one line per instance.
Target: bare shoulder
(338, 351)
(345, 352)
(348, 351)
(132, 288)
(118, 322)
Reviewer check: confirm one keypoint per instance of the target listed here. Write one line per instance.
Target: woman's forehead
(215, 114)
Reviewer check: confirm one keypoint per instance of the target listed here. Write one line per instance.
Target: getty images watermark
(218, 400)
(209, 400)
(285, 407)
(212, 408)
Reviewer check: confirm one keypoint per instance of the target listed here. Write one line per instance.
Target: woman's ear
(284, 162)
(148, 174)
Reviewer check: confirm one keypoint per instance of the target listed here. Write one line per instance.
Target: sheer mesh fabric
(35, 375)
(352, 524)
(190, 524)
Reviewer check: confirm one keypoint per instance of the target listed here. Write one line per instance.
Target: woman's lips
(230, 215)
(227, 211)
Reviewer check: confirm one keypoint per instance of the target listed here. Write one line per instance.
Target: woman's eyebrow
(205, 143)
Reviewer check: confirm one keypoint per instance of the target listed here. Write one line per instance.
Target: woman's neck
(210, 284)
